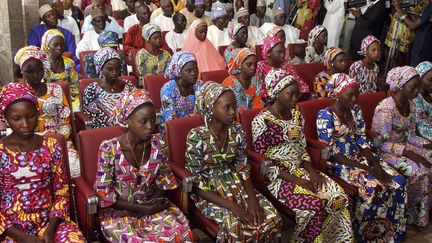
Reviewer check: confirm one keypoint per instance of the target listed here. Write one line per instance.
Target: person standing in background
(334, 21)
(259, 18)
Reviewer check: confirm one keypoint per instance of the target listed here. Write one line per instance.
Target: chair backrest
(246, 118)
(177, 131)
(291, 48)
(83, 83)
(120, 22)
(309, 110)
(368, 102)
(222, 49)
(153, 83)
(258, 49)
(217, 75)
(89, 141)
(308, 72)
(68, 54)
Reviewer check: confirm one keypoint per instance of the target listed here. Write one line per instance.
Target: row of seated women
(133, 171)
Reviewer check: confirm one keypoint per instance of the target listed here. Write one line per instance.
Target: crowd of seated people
(369, 180)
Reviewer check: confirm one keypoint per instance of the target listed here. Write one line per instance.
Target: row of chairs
(177, 130)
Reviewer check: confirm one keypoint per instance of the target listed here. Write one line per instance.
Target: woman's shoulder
(326, 113)
(69, 63)
(169, 87)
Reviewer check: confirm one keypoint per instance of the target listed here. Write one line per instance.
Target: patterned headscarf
(128, 103)
(237, 59)
(338, 83)
(148, 30)
(276, 80)
(14, 91)
(178, 60)
(48, 36)
(268, 45)
(102, 56)
(206, 97)
(27, 53)
(330, 54)
(366, 42)
(314, 33)
(233, 29)
(398, 76)
(108, 39)
(423, 68)
(273, 31)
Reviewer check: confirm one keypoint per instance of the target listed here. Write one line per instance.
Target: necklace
(217, 139)
(33, 147)
(133, 154)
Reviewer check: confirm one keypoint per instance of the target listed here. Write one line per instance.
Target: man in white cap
(255, 36)
(292, 34)
(66, 22)
(199, 14)
(259, 18)
(217, 33)
(189, 10)
(110, 25)
(49, 21)
(165, 21)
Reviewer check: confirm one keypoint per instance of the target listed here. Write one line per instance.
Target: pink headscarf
(208, 58)
(16, 91)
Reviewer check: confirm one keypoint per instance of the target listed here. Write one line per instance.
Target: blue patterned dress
(379, 214)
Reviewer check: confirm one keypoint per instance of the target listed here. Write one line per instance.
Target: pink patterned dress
(33, 189)
(117, 179)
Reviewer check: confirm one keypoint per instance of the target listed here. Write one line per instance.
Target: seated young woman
(152, 59)
(133, 175)
(319, 203)
(238, 33)
(178, 94)
(216, 157)
(208, 58)
(334, 62)
(317, 42)
(410, 154)
(33, 181)
(243, 81)
(54, 113)
(58, 67)
(273, 55)
(424, 101)
(100, 97)
(379, 210)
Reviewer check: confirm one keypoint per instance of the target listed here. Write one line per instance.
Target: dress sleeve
(88, 99)
(195, 160)
(64, 111)
(168, 108)
(309, 54)
(325, 127)
(382, 123)
(141, 62)
(165, 179)
(360, 135)
(424, 123)
(5, 223)
(319, 86)
(105, 175)
(413, 138)
(305, 155)
(242, 166)
(60, 183)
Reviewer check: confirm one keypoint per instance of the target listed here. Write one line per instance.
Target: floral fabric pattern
(366, 78)
(147, 63)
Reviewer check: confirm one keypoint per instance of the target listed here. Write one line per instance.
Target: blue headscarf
(178, 60)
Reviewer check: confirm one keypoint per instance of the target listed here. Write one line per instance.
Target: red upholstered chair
(217, 75)
(308, 72)
(319, 151)
(82, 121)
(68, 54)
(132, 54)
(368, 102)
(153, 83)
(291, 48)
(259, 164)
(120, 22)
(177, 131)
(258, 49)
(86, 199)
(221, 50)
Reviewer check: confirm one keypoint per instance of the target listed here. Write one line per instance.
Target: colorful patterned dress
(229, 52)
(379, 214)
(99, 105)
(34, 188)
(69, 75)
(323, 216)
(147, 63)
(222, 172)
(54, 117)
(174, 105)
(117, 179)
(399, 133)
(320, 83)
(366, 78)
(423, 117)
(263, 68)
(246, 98)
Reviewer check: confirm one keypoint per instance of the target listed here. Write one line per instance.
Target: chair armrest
(325, 150)
(83, 120)
(264, 163)
(86, 192)
(184, 175)
(376, 138)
